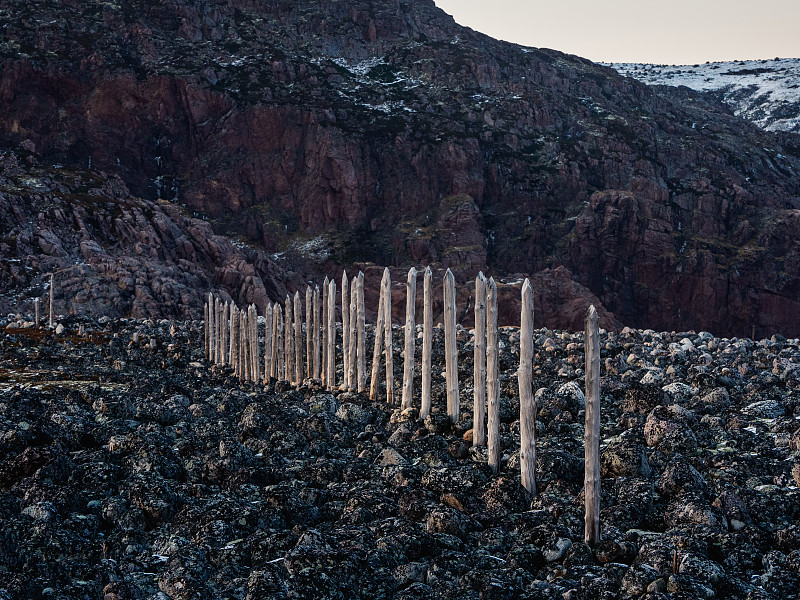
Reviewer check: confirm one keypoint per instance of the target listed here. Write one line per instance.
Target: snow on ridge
(766, 92)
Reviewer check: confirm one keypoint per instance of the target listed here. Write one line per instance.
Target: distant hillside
(766, 92)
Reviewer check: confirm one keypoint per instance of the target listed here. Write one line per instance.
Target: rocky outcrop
(114, 254)
(397, 137)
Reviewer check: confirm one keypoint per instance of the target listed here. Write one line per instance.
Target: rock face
(382, 131)
(113, 254)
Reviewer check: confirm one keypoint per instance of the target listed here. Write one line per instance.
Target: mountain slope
(766, 92)
(382, 131)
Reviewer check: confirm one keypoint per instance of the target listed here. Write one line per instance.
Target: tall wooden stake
(479, 372)
(309, 331)
(450, 346)
(427, 341)
(325, 310)
(298, 339)
(317, 325)
(268, 342)
(387, 341)
(527, 403)
(591, 481)
(345, 329)
(331, 376)
(362, 339)
(411, 334)
(353, 337)
(288, 339)
(377, 348)
(281, 348)
(492, 383)
(51, 301)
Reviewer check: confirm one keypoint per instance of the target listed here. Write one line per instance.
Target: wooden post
(298, 339)
(281, 348)
(36, 312)
(226, 311)
(288, 339)
(325, 310)
(377, 348)
(309, 346)
(427, 341)
(411, 334)
(256, 353)
(51, 301)
(450, 346)
(235, 341)
(218, 327)
(244, 338)
(527, 403)
(387, 342)
(492, 383)
(331, 376)
(268, 342)
(591, 482)
(479, 372)
(205, 328)
(229, 324)
(352, 370)
(362, 339)
(210, 328)
(317, 325)
(345, 330)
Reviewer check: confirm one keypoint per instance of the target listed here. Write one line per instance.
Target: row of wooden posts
(231, 338)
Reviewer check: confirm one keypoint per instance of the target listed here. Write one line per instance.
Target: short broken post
(36, 312)
(411, 334)
(450, 346)
(479, 370)
(492, 383)
(591, 480)
(527, 403)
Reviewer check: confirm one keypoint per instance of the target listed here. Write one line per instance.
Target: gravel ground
(136, 473)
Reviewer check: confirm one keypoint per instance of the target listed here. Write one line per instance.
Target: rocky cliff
(382, 131)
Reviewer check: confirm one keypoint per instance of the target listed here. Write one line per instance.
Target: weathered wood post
(256, 351)
(527, 403)
(427, 341)
(325, 311)
(345, 329)
(298, 339)
(51, 302)
(492, 383)
(268, 341)
(226, 310)
(317, 325)
(362, 339)
(309, 343)
(411, 334)
(377, 348)
(231, 341)
(245, 346)
(331, 377)
(288, 339)
(205, 328)
(36, 311)
(387, 342)
(353, 337)
(218, 327)
(591, 481)
(232, 337)
(210, 327)
(450, 346)
(479, 371)
(280, 347)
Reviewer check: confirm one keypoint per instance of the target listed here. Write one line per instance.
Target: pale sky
(669, 32)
